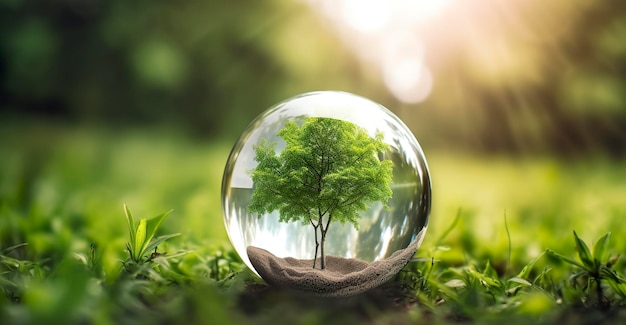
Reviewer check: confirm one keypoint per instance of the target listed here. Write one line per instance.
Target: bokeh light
(386, 34)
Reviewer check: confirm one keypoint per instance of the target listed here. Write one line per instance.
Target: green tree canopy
(328, 171)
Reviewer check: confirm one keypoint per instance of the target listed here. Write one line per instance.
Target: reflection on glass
(381, 231)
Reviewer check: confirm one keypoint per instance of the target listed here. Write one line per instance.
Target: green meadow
(500, 244)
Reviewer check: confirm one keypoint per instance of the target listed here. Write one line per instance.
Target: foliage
(470, 290)
(595, 269)
(67, 291)
(141, 235)
(328, 171)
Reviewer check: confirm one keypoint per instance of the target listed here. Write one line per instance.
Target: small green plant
(595, 269)
(142, 239)
(13, 272)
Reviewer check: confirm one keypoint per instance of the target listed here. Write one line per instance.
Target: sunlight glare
(366, 16)
(409, 80)
(413, 12)
(387, 35)
(403, 68)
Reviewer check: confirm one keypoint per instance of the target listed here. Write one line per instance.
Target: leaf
(153, 225)
(131, 223)
(583, 252)
(455, 283)
(615, 281)
(6, 283)
(155, 242)
(81, 258)
(177, 254)
(607, 273)
(141, 236)
(619, 288)
(445, 290)
(563, 258)
(486, 280)
(600, 248)
(140, 239)
(523, 274)
(543, 275)
(520, 281)
(10, 262)
(14, 247)
(612, 260)
(490, 271)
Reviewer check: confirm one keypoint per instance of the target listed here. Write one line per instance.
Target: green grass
(500, 245)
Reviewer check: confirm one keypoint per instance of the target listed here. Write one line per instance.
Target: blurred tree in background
(206, 65)
(519, 76)
(538, 76)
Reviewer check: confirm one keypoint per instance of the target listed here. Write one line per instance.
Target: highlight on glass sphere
(326, 193)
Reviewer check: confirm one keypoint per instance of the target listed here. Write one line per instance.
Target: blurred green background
(520, 106)
(514, 77)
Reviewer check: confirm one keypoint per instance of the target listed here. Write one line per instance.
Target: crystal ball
(380, 230)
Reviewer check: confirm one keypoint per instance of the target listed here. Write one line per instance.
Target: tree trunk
(322, 257)
(317, 245)
(323, 231)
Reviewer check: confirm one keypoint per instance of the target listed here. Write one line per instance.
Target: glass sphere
(381, 231)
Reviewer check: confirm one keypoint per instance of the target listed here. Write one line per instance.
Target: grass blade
(508, 236)
(449, 229)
